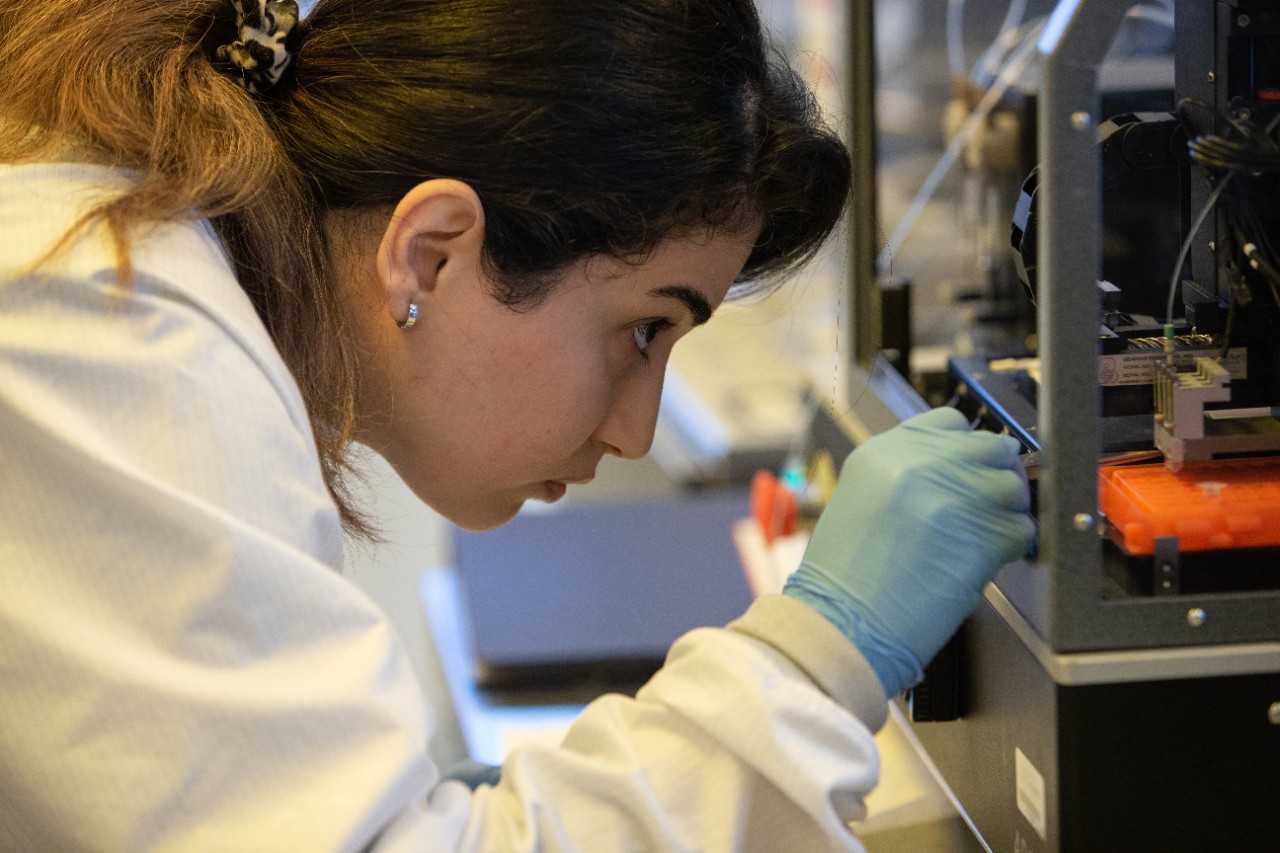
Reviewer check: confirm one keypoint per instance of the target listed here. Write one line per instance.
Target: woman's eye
(644, 334)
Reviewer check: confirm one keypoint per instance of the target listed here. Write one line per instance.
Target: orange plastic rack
(1223, 503)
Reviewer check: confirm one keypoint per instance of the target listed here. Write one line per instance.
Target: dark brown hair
(586, 127)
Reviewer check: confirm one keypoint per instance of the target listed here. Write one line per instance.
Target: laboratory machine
(1119, 690)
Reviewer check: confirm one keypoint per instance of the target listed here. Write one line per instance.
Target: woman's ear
(436, 232)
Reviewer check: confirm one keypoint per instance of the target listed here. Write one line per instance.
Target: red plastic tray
(1219, 504)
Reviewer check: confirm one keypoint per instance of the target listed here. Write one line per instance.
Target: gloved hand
(923, 516)
(473, 774)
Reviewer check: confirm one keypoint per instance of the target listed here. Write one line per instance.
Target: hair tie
(259, 56)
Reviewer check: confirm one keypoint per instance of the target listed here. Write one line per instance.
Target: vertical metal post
(862, 324)
(1074, 43)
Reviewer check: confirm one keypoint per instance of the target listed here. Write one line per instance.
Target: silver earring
(407, 322)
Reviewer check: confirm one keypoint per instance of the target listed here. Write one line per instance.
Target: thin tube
(1195, 228)
(1012, 21)
(955, 38)
(1012, 70)
(1186, 244)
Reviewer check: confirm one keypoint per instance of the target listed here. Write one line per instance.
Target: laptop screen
(599, 591)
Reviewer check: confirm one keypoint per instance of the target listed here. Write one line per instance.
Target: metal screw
(1083, 522)
(1212, 76)
(1213, 247)
(1243, 21)
(1273, 714)
(1081, 120)
(1196, 617)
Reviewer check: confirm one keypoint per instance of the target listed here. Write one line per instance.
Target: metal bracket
(1165, 566)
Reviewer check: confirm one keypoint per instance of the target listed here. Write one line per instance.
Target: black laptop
(598, 592)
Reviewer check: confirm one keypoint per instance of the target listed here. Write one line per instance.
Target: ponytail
(133, 83)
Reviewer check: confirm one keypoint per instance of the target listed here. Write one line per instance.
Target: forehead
(694, 268)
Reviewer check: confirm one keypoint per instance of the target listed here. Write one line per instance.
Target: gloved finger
(1007, 488)
(1006, 536)
(1033, 550)
(991, 528)
(943, 418)
(1021, 468)
(945, 431)
(987, 448)
(1023, 541)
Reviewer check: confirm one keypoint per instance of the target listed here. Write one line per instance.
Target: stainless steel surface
(1112, 667)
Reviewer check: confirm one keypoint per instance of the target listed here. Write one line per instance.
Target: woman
(466, 234)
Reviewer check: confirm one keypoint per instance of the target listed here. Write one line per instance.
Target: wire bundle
(1257, 153)
(1250, 152)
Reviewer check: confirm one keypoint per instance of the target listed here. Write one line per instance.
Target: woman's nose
(629, 423)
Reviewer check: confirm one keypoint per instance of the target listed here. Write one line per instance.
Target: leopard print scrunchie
(259, 56)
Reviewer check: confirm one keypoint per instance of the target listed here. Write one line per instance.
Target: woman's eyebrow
(697, 304)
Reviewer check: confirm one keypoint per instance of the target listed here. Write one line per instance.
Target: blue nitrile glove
(923, 516)
(473, 774)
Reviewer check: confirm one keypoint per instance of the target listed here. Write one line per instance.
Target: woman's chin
(480, 518)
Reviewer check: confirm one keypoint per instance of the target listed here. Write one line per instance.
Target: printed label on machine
(1135, 368)
(1031, 794)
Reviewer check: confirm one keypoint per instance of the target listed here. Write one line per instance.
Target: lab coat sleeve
(730, 747)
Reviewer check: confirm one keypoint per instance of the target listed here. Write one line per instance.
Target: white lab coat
(183, 667)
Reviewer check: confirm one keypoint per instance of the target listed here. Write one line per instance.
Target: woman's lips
(555, 489)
